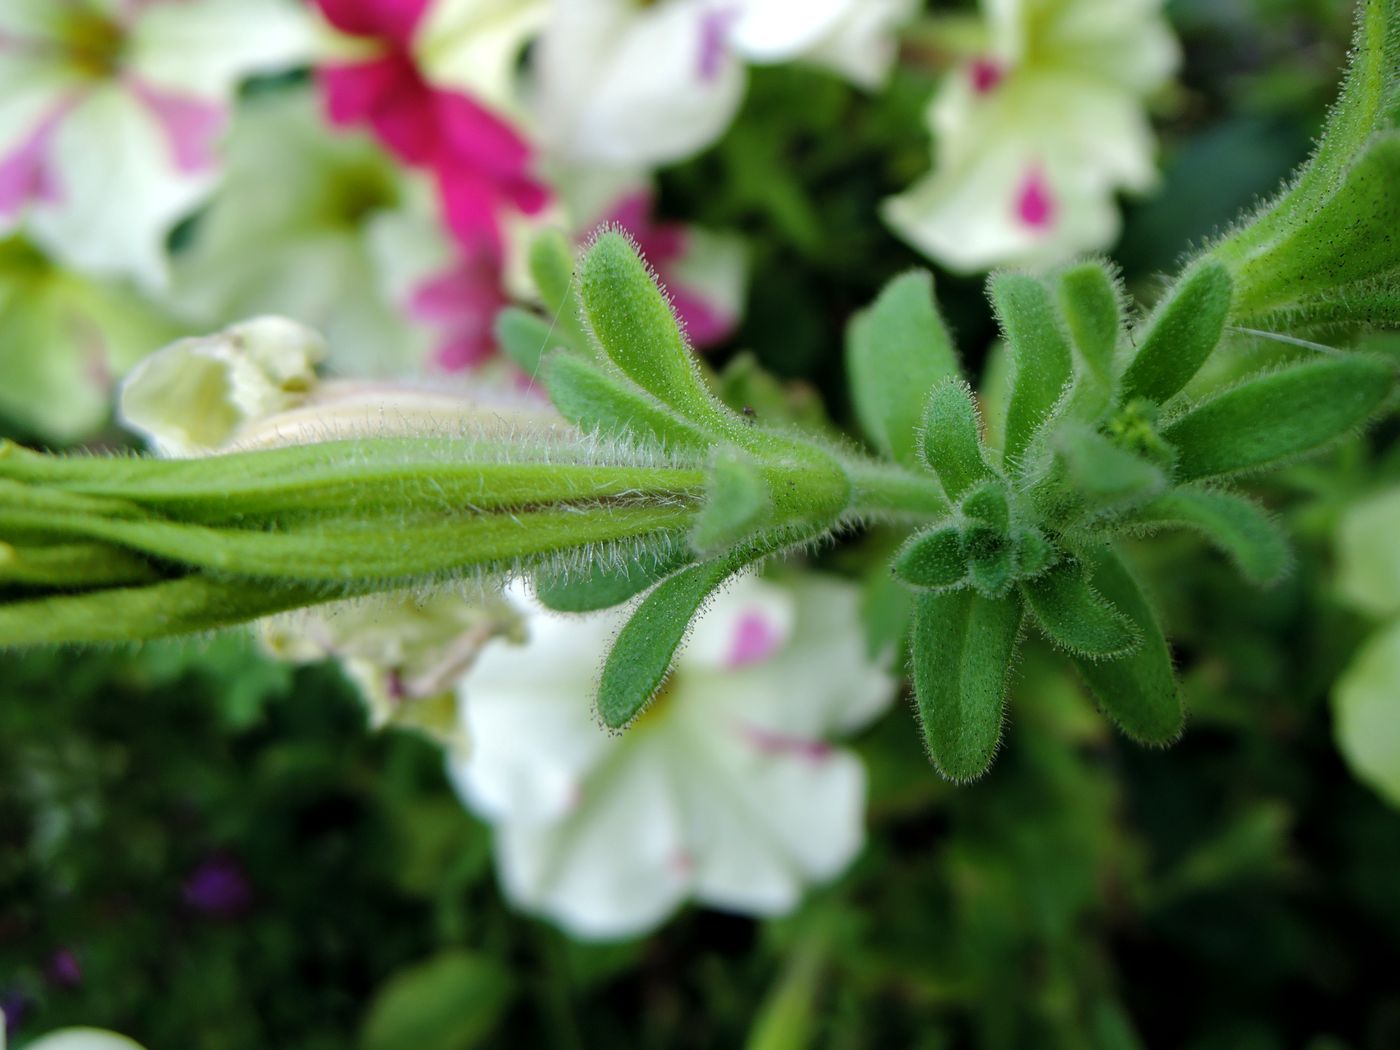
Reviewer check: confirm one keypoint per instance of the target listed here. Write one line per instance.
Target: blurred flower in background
(726, 790)
(1036, 133)
(112, 112)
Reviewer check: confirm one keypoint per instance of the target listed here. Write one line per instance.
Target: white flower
(622, 83)
(404, 652)
(1034, 137)
(726, 790)
(195, 396)
(109, 113)
(78, 1039)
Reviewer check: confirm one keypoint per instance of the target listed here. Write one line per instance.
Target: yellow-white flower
(1035, 136)
(727, 790)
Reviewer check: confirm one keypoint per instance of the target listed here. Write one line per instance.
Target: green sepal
(1075, 617)
(640, 659)
(963, 649)
(737, 503)
(525, 338)
(636, 329)
(1040, 352)
(1238, 527)
(1033, 552)
(551, 263)
(991, 562)
(593, 400)
(1093, 309)
(935, 559)
(897, 349)
(1183, 331)
(1279, 416)
(603, 585)
(1139, 691)
(950, 441)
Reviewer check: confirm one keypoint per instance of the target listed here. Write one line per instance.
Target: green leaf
(737, 502)
(1075, 617)
(1279, 416)
(552, 269)
(1138, 691)
(933, 559)
(1181, 334)
(1101, 475)
(1042, 364)
(641, 657)
(592, 400)
(1352, 236)
(964, 646)
(1238, 527)
(635, 327)
(1093, 309)
(603, 584)
(896, 351)
(525, 338)
(1368, 554)
(987, 505)
(453, 1001)
(949, 441)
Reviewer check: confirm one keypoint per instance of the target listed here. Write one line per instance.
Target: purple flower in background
(63, 970)
(218, 887)
(14, 1005)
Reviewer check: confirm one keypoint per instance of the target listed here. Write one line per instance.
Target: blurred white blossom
(726, 790)
(110, 114)
(1035, 136)
(622, 83)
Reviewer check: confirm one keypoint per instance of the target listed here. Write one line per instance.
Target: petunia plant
(1110, 425)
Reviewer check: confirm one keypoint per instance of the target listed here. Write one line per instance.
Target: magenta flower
(461, 304)
(481, 164)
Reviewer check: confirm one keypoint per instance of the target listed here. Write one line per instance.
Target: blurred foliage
(234, 861)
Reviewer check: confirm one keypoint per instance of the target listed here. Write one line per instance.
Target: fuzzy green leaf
(737, 502)
(1279, 416)
(963, 649)
(933, 559)
(1237, 526)
(1093, 311)
(1138, 691)
(604, 584)
(987, 505)
(949, 441)
(641, 657)
(552, 269)
(1076, 618)
(1181, 334)
(592, 399)
(896, 351)
(1040, 352)
(635, 327)
(1354, 235)
(1101, 475)
(525, 338)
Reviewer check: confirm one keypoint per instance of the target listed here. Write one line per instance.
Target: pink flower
(481, 164)
(461, 303)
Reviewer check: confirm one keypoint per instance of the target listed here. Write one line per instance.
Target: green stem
(880, 489)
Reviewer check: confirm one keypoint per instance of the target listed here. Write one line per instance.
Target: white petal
(120, 190)
(84, 1039)
(779, 30)
(1366, 706)
(204, 48)
(618, 85)
(475, 46)
(749, 621)
(30, 18)
(863, 45)
(31, 90)
(615, 867)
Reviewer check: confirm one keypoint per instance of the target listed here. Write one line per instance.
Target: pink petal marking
(387, 94)
(1035, 204)
(770, 742)
(682, 862)
(192, 126)
(714, 41)
(24, 173)
(755, 640)
(986, 74)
